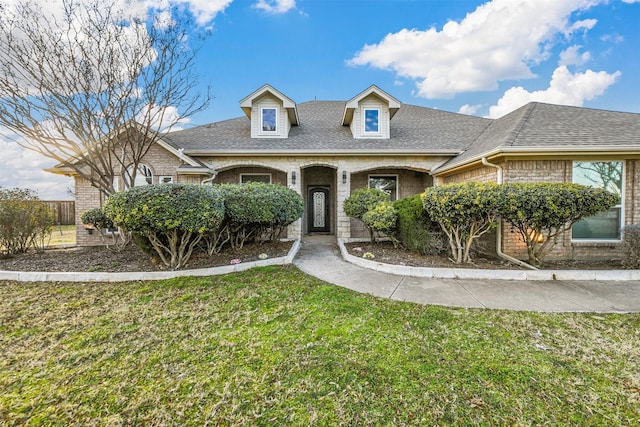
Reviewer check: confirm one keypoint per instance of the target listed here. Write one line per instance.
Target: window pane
(143, 176)
(372, 121)
(604, 226)
(388, 184)
(266, 178)
(606, 175)
(268, 119)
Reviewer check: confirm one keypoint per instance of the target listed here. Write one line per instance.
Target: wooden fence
(64, 212)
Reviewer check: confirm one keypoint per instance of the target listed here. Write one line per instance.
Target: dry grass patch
(273, 346)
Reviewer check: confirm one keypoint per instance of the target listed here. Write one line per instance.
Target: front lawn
(273, 346)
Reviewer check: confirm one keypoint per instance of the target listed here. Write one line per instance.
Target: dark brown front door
(318, 210)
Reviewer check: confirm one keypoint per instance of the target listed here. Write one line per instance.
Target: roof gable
(292, 110)
(352, 104)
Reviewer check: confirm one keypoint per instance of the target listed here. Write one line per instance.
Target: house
(326, 149)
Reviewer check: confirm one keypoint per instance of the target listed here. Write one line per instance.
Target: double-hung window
(608, 175)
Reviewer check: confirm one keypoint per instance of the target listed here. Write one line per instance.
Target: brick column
(343, 222)
(294, 230)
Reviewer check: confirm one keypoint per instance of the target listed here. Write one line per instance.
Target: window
(371, 120)
(607, 175)
(165, 179)
(255, 177)
(269, 120)
(386, 183)
(144, 176)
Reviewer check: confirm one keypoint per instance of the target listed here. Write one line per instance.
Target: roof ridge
(517, 129)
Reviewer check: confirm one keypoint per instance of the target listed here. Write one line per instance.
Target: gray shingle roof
(413, 129)
(538, 125)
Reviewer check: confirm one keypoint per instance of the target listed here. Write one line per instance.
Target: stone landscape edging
(483, 274)
(58, 276)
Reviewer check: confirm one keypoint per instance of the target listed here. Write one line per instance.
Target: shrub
(382, 219)
(362, 201)
(254, 210)
(415, 231)
(464, 212)
(25, 221)
(174, 217)
(97, 219)
(631, 246)
(541, 212)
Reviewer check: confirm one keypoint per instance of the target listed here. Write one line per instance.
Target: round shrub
(97, 219)
(25, 221)
(174, 217)
(381, 218)
(362, 201)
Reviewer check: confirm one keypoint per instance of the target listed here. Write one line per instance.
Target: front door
(318, 210)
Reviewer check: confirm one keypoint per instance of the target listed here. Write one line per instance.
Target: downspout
(209, 180)
(501, 254)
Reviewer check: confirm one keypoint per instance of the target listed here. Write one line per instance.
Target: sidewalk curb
(28, 276)
(481, 274)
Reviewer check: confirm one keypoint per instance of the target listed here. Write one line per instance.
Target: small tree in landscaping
(415, 230)
(174, 217)
(25, 221)
(382, 219)
(464, 212)
(541, 212)
(96, 219)
(362, 201)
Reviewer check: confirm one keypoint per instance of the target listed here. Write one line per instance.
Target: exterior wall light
(293, 177)
(344, 177)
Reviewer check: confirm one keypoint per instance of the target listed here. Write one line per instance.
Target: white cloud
(565, 88)
(275, 6)
(203, 10)
(469, 110)
(572, 56)
(500, 40)
(24, 169)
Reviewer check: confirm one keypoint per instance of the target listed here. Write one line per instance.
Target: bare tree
(95, 84)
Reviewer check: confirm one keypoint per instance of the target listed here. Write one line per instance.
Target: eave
(601, 152)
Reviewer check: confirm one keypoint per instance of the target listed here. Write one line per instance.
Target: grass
(63, 235)
(273, 346)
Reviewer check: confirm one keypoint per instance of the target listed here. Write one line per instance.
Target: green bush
(464, 211)
(631, 246)
(174, 217)
(25, 221)
(541, 212)
(255, 210)
(97, 219)
(382, 219)
(362, 201)
(415, 231)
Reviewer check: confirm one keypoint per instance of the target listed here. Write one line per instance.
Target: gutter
(499, 228)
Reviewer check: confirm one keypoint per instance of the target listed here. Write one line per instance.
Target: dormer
(369, 114)
(271, 113)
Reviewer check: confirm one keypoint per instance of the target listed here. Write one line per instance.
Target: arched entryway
(319, 190)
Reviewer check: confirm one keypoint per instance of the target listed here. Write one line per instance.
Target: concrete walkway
(320, 257)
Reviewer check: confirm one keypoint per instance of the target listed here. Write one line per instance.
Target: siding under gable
(357, 124)
(283, 124)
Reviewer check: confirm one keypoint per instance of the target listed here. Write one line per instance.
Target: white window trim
(161, 179)
(269, 132)
(257, 174)
(379, 175)
(620, 206)
(364, 121)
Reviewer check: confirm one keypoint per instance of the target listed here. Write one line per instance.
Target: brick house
(326, 149)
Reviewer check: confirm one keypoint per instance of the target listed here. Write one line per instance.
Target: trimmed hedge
(362, 201)
(415, 231)
(631, 246)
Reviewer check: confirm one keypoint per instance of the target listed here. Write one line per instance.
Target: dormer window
(269, 120)
(371, 121)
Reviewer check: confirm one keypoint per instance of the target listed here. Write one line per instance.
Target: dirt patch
(385, 252)
(98, 258)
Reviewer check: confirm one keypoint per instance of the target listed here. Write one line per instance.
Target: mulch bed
(385, 252)
(98, 258)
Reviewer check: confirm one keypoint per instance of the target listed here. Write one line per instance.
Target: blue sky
(473, 57)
